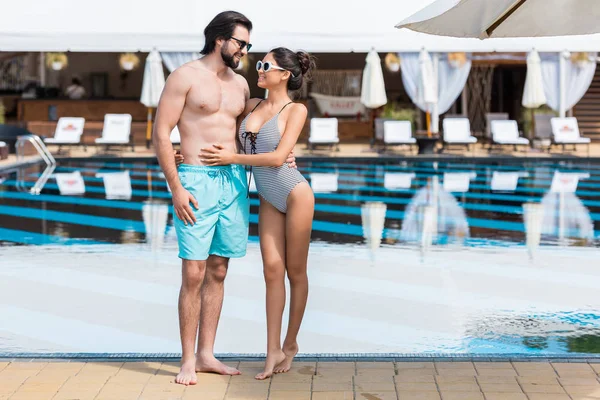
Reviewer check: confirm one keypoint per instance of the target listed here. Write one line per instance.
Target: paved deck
(36, 379)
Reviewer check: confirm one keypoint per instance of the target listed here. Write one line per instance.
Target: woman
(268, 133)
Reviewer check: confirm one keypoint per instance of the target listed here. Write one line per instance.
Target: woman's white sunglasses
(267, 66)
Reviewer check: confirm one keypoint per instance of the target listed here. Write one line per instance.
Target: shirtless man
(204, 99)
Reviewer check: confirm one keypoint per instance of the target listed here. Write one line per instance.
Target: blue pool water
(471, 289)
(483, 201)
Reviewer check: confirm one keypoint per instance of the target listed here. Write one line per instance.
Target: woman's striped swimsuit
(274, 184)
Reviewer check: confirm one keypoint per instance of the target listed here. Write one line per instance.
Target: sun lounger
(116, 131)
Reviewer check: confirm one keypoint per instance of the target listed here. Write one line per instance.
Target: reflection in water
(156, 216)
(560, 216)
(373, 221)
(23, 177)
(117, 185)
(434, 215)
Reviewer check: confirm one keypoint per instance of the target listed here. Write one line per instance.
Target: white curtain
(174, 60)
(451, 80)
(578, 78)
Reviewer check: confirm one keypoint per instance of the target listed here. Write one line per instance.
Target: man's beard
(229, 59)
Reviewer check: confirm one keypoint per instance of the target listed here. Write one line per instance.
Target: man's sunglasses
(267, 66)
(243, 44)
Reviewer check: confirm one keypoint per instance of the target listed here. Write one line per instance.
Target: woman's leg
(271, 230)
(298, 226)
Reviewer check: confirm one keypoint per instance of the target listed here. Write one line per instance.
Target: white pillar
(435, 114)
(562, 70)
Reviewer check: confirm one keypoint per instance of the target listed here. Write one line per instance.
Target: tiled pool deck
(572, 379)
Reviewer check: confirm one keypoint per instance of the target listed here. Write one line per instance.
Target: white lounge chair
(398, 180)
(379, 128)
(489, 117)
(566, 131)
(323, 131)
(70, 183)
(458, 182)
(506, 181)
(175, 136)
(68, 132)
(324, 182)
(117, 185)
(457, 131)
(506, 133)
(397, 133)
(116, 131)
(543, 130)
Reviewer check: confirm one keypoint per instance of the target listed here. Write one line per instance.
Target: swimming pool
(422, 257)
(480, 204)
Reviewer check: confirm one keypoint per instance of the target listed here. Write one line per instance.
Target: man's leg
(213, 290)
(193, 275)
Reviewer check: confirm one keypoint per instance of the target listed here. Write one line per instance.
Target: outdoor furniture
(489, 117)
(397, 133)
(566, 131)
(506, 133)
(250, 178)
(324, 182)
(3, 151)
(426, 144)
(543, 130)
(323, 131)
(117, 185)
(457, 131)
(68, 132)
(379, 128)
(116, 131)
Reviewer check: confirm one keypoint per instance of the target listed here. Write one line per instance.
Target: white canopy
(314, 26)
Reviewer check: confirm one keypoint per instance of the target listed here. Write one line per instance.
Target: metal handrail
(39, 146)
(46, 156)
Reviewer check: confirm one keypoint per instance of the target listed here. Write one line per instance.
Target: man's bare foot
(213, 365)
(290, 352)
(273, 359)
(187, 374)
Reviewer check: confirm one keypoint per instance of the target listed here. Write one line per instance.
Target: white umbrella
(152, 87)
(506, 18)
(533, 94)
(427, 91)
(372, 94)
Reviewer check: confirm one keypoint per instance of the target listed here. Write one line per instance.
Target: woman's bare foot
(187, 373)
(273, 359)
(290, 352)
(211, 364)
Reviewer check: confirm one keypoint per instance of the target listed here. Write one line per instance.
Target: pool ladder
(44, 153)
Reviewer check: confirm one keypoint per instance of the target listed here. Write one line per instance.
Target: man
(204, 99)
